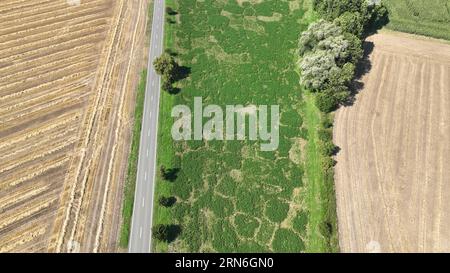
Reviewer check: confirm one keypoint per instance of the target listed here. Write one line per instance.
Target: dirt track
(67, 73)
(392, 176)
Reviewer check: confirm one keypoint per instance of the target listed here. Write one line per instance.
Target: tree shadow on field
(171, 53)
(363, 67)
(171, 201)
(173, 232)
(336, 151)
(181, 73)
(174, 90)
(377, 23)
(379, 19)
(170, 11)
(171, 175)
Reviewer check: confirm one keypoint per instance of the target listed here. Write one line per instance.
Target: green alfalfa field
(423, 17)
(231, 196)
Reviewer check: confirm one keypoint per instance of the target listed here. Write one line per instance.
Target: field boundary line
(117, 132)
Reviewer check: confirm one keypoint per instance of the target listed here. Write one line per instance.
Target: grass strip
(130, 183)
(165, 154)
(322, 232)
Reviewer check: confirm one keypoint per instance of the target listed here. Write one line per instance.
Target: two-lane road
(141, 223)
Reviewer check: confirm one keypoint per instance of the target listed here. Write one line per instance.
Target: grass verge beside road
(130, 183)
(165, 150)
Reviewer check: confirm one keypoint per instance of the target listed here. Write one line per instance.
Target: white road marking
(145, 176)
(157, 46)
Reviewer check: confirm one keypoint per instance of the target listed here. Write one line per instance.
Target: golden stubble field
(68, 71)
(393, 175)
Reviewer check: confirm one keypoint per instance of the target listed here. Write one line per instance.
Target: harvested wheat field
(67, 68)
(392, 176)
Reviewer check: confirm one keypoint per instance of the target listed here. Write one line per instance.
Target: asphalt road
(141, 223)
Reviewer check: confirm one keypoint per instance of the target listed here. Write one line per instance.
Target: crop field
(392, 176)
(231, 196)
(424, 17)
(64, 120)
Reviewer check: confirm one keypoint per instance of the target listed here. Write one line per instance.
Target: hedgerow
(329, 51)
(331, 48)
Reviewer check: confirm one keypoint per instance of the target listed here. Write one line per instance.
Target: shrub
(325, 135)
(328, 164)
(326, 228)
(327, 122)
(161, 232)
(328, 148)
(329, 174)
(326, 102)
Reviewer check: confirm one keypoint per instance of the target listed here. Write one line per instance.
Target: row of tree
(332, 47)
(163, 232)
(168, 175)
(170, 71)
